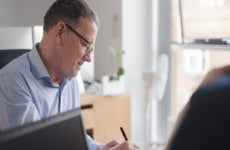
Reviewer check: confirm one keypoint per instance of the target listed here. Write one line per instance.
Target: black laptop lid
(61, 132)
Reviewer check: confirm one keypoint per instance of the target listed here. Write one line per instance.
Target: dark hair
(68, 11)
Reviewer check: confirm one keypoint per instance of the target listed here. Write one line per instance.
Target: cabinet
(103, 116)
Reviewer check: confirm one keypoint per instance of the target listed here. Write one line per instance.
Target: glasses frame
(89, 46)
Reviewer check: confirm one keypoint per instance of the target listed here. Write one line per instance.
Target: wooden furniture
(103, 116)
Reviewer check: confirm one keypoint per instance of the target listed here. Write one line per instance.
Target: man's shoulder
(19, 64)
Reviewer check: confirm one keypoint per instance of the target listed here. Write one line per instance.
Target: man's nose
(87, 57)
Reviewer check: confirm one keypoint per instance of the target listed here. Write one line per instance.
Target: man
(204, 122)
(43, 82)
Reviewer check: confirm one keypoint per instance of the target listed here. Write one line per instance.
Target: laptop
(61, 132)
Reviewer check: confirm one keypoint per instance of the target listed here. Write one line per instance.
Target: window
(206, 24)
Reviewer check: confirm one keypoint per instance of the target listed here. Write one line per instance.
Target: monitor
(61, 132)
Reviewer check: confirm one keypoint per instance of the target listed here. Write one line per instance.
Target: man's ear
(59, 31)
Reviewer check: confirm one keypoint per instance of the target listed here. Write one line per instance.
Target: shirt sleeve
(93, 145)
(16, 104)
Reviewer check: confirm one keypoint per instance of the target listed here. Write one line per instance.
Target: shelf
(176, 46)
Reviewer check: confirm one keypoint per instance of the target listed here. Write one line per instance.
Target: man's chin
(76, 73)
(72, 75)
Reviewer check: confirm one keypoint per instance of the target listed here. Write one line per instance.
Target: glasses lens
(89, 49)
(89, 46)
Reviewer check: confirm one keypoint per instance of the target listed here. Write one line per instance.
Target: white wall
(23, 12)
(16, 38)
(109, 12)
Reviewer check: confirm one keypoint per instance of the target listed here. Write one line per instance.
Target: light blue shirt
(28, 94)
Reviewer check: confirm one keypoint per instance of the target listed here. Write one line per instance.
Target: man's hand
(126, 146)
(117, 145)
(109, 145)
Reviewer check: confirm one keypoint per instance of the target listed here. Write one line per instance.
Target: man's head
(70, 30)
(68, 11)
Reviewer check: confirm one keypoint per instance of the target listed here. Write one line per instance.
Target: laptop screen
(61, 132)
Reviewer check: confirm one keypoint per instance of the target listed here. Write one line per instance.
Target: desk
(103, 116)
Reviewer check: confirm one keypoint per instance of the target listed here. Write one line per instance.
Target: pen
(123, 133)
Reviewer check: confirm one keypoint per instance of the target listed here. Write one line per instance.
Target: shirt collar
(38, 67)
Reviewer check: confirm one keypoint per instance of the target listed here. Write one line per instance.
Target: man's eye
(84, 44)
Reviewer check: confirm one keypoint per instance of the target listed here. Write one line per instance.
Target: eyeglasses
(89, 46)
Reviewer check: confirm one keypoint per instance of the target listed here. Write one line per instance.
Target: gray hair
(68, 11)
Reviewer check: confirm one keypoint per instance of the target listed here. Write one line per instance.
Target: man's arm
(16, 105)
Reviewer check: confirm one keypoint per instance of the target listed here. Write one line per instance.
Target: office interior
(163, 63)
